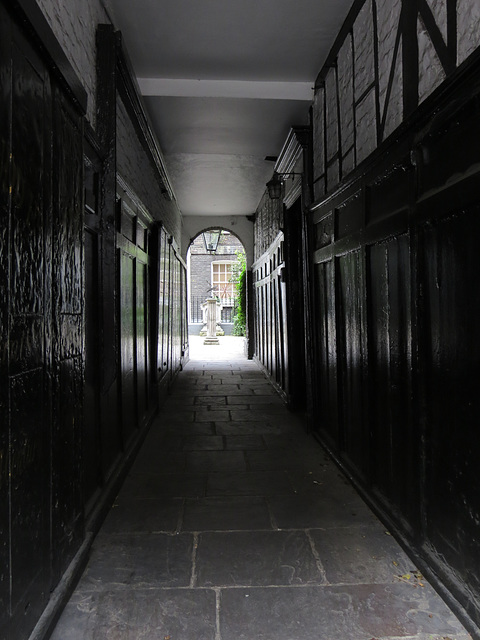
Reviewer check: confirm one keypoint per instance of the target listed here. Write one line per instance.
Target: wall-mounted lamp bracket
(274, 186)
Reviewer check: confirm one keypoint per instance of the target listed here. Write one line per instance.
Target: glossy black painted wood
(75, 295)
(29, 330)
(68, 338)
(94, 443)
(5, 119)
(271, 333)
(39, 33)
(42, 318)
(451, 355)
(397, 343)
(295, 306)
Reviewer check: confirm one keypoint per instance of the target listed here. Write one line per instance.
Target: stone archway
(239, 226)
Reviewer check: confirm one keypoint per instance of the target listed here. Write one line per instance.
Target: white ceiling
(223, 81)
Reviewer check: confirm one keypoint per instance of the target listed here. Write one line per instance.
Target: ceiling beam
(257, 90)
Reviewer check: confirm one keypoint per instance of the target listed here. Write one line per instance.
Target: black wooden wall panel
(29, 329)
(67, 343)
(327, 396)
(142, 338)
(92, 440)
(397, 358)
(62, 382)
(451, 265)
(271, 315)
(127, 345)
(5, 117)
(351, 355)
(395, 460)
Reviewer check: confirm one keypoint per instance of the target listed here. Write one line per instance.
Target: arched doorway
(216, 265)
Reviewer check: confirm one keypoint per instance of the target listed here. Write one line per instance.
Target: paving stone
(209, 416)
(293, 442)
(280, 418)
(170, 442)
(256, 558)
(223, 514)
(172, 485)
(151, 460)
(359, 612)
(210, 400)
(362, 555)
(320, 479)
(135, 515)
(222, 389)
(251, 483)
(192, 428)
(202, 443)
(248, 442)
(178, 403)
(180, 390)
(215, 461)
(250, 400)
(318, 511)
(122, 561)
(178, 417)
(156, 614)
(280, 459)
(235, 428)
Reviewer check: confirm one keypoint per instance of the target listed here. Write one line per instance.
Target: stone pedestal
(211, 322)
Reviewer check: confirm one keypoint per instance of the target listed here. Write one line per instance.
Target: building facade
(210, 276)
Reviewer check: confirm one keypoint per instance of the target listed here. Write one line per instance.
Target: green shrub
(239, 277)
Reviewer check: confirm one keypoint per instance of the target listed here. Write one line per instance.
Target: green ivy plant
(239, 278)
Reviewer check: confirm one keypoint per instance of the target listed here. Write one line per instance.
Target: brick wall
(74, 25)
(134, 166)
(200, 263)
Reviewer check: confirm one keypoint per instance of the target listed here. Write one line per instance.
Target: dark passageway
(338, 141)
(234, 524)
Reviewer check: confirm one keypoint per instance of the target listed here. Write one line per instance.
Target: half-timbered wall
(390, 56)
(268, 223)
(395, 263)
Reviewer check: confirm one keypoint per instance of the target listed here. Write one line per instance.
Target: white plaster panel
(318, 134)
(388, 19)
(363, 46)
(74, 25)
(332, 113)
(439, 10)
(135, 167)
(319, 189)
(468, 28)
(348, 163)
(345, 89)
(366, 126)
(430, 70)
(394, 114)
(268, 221)
(333, 175)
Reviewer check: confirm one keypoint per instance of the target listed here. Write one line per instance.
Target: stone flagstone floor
(233, 524)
